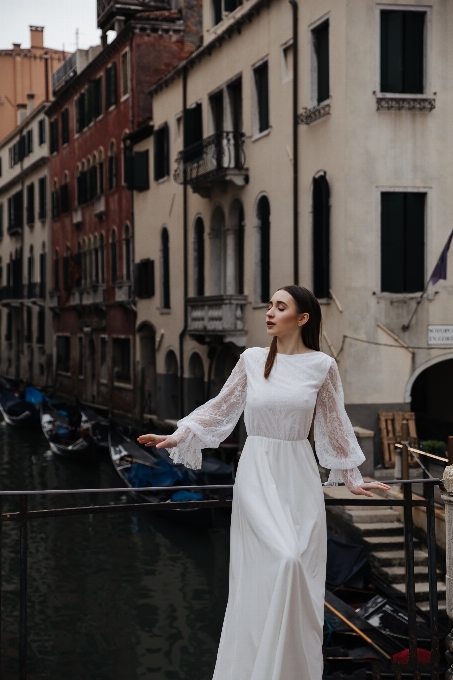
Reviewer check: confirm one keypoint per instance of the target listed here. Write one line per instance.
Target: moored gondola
(139, 468)
(65, 432)
(17, 411)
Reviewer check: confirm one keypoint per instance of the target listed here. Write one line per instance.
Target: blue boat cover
(32, 395)
(163, 474)
(185, 495)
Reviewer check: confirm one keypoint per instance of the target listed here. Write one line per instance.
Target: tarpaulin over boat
(347, 563)
(161, 474)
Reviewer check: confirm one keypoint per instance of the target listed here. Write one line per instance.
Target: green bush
(434, 446)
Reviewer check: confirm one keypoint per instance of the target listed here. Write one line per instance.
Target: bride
(274, 618)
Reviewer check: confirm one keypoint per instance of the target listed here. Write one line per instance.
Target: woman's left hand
(363, 489)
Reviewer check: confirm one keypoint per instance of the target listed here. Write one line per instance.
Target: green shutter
(414, 25)
(141, 171)
(415, 242)
(392, 242)
(322, 62)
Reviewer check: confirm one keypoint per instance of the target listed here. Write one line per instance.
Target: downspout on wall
(185, 273)
(295, 12)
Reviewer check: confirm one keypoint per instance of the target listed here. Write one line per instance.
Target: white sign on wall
(440, 335)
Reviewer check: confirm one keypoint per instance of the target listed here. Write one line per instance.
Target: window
(110, 86)
(402, 241)
(161, 153)
(127, 253)
(63, 354)
(100, 172)
(41, 131)
(97, 97)
(16, 211)
(1, 220)
(30, 203)
(28, 325)
(17, 152)
(261, 78)
(92, 176)
(138, 171)
(64, 195)
(65, 126)
(321, 237)
(41, 328)
(165, 268)
(287, 62)
(124, 73)
(42, 274)
(102, 258)
(264, 250)
(56, 270)
(121, 359)
(54, 135)
(80, 115)
(82, 184)
(221, 7)
(28, 142)
(198, 265)
(144, 278)
(66, 261)
(113, 257)
(103, 374)
(402, 51)
(42, 196)
(193, 129)
(80, 356)
(55, 200)
(112, 167)
(320, 42)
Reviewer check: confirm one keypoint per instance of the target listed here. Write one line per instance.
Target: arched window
(217, 248)
(170, 401)
(102, 258)
(56, 270)
(127, 252)
(263, 226)
(234, 249)
(112, 169)
(101, 171)
(113, 257)
(42, 271)
(95, 259)
(84, 263)
(321, 237)
(64, 194)
(55, 200)
(93, 178)
(89, 261)
(165, 268)
(198, 253)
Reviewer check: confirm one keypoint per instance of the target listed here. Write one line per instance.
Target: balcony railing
(218, 158)
(34, 290)
(14, 292)
(91, 295)
(218, 315)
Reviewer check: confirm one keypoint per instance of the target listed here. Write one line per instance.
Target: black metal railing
(33, 290)
(214, 154)
(14, 292)
(413, 668)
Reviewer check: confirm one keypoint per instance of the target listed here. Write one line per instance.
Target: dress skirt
(274, 618)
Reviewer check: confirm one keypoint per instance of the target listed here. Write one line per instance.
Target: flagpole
(405, 326)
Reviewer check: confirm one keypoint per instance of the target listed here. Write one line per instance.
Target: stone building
(26, 70)
(302, 142)
(100, 101)
(25, 318)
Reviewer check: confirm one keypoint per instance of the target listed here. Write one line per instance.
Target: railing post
(450, 450)
(23, 587)
(447, 497)
(405, 450)
(1, 565)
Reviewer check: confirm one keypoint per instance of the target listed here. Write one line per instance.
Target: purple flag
(440, 270)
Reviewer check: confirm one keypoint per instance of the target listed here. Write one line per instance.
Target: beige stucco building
(25, 217)
(355, 206)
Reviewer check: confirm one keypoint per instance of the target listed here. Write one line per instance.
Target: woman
(273, 623)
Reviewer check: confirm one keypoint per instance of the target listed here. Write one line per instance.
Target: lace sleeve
(336, 444)
(211, 422)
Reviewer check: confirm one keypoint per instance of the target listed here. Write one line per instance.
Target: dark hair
(310, 331)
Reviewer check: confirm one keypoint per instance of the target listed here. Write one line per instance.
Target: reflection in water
(111, 597)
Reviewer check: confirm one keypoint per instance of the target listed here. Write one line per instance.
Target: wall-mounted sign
(440, 335)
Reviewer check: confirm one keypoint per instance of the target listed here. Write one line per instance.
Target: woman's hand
(363, 489)
(160, 441)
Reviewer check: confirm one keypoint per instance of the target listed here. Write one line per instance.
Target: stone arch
(217, 249)
(195, 383)
(431, 398)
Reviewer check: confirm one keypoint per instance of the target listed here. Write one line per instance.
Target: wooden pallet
(390, 428)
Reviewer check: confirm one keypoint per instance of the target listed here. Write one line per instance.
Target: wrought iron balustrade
(14, 292)
(381, 667)
(212, 157)
(33, 290)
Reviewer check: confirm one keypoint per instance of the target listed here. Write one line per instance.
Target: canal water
(113, 596)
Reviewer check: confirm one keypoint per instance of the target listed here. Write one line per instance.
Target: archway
(432, 401)
(216, 237)
(147, 353)
(234, 246)
(168, 389)
(195, 385)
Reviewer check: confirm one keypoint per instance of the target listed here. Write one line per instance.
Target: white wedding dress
(274, 619)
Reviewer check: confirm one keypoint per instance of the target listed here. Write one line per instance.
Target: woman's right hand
(158, 440)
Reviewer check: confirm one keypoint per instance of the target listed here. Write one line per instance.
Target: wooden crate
(390, 429)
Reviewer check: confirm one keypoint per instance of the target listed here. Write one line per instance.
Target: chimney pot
(37, 36)
(21, 112)
(30, 101)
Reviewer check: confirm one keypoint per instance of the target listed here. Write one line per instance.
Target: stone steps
(398, 574)
(385, 543)
(377, 515)
(422, 590)
(396, 558)
(381, 529)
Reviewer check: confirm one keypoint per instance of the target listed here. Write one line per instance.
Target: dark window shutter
(262, 95)
(321, 237)
(414, 31)
(165, 269)
(108, 77)
(392, 242)
(193, 125)
(231, 5)
(42, 198)
(97, 97)
(415, 241)
(140, 173)
(144, 278)
(113, 84)
(161, 153)
(101, 177)
(321, 37)
(265, 248)
(216, 12)
(402, 51)
(42, 275)
(65, 126)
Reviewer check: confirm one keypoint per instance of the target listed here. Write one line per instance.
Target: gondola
(98, 428)
(17, 411)
(138, 468)
(67, 434)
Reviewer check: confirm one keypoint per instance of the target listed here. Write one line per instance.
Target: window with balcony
(42, 198)
(402, 241)
(165, 268)
(193, 130)
(261, 82)
(263, 236)
(121, 360)
(199, 258)
(402, 64)
(321, 236)
(113, 257)
(16, 211)
(64, 195)
(65, 126)
(41, 131)
(63, 347)
(112, 167)
(161, 153)
(321, 68)
(110, 86)
(30, 210)
(54, 135)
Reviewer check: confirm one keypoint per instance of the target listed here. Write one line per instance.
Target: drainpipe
(185, 277)
(295, 9)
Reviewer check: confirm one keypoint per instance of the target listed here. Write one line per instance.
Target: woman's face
(282, 317)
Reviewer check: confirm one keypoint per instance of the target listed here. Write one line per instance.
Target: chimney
(30, 102)
(37, 36)
(16, 47)
(21, 112)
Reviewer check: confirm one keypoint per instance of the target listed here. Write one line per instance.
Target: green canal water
(110, 597)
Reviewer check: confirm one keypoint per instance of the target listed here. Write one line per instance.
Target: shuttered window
(41, 131)
(54, 135)
(402, 242)
(402, 51)
(144, 278)
(321, 237)
(321, 50)
(165, 268)
(193, 125)
(42, 189)
(161, 153)
(264, 214)
(31, 203)
(65, 126)
(261, 77)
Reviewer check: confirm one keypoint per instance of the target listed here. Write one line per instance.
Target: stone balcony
(77, 216)
(217, 317)
(122, 291)
(99, 206)
(93, 295)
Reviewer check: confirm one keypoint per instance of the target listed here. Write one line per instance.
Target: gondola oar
(357, 630)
